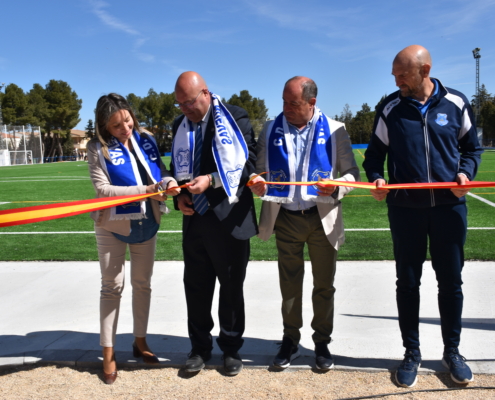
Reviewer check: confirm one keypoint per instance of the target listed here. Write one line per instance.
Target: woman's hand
(155, 189)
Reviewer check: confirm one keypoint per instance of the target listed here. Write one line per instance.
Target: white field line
(89, 232)
(64, 233)
(48, 180)
(47, 177)
(5, 202)
(482, 199)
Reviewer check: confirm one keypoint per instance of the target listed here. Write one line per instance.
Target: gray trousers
(111, 253)
(292, 232)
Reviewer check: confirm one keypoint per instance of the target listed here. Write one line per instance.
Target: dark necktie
(199, 200)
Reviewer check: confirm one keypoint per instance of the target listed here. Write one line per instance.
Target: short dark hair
(309, 88)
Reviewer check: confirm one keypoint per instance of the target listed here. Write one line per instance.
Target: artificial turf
(29, 185)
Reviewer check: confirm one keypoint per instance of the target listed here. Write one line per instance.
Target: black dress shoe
(232, 363)
(324, 360)
(196, 361)
(147, 359)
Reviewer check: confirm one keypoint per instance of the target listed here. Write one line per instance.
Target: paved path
(49, 313)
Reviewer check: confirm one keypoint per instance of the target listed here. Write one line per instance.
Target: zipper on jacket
(427, 149)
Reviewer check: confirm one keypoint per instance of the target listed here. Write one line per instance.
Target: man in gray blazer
(302, 144)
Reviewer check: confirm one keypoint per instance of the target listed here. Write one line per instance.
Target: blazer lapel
(206, 152)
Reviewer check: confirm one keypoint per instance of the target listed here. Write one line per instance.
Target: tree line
(487, 115)
(360, 125)
(54, 108)
(156, 113)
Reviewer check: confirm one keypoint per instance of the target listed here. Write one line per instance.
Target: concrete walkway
(49, 313)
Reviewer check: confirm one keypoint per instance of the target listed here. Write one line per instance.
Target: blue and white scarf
(319, 159)
(123, 170)
(229, 149)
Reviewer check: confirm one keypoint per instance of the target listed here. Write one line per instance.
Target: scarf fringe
(121, 217)
(275, 199)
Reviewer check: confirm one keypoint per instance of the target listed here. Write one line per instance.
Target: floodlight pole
(477, 56)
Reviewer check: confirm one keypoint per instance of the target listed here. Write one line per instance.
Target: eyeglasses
(292, 104)
(188, 104)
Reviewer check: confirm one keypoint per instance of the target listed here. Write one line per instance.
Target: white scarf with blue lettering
(228, 146)
(318, 162)
(123, 171)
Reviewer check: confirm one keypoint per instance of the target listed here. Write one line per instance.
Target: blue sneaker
(459, 370)
(407, 373)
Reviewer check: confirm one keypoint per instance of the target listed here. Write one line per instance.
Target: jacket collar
(442, 92)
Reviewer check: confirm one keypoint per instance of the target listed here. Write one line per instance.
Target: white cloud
(460, 16)
(314, 19)
(98, 8)
(149, 58)
(109, 20)
(174, 67)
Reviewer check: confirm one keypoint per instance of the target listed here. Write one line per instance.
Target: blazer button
(140, 222)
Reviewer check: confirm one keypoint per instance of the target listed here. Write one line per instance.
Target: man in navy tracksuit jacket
(429, 135)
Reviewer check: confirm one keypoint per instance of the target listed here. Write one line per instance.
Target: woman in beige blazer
(122, 162)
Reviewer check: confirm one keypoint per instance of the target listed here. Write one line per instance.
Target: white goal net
(20, 145)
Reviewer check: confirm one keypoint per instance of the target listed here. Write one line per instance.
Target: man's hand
(172, 183)
(379, 194)
(325, 190)
(184, 203)
(199, 184)
(258, 186)
(461, 179)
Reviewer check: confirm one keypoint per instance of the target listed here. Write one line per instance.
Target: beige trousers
(292, 233)
(111, 253)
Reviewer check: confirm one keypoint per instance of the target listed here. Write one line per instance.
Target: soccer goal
(21, 157)
(20, 145)
(4, 157)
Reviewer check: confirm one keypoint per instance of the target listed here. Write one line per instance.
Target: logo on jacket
(442, 119)
(316, 175)
(182, 159)
(278, 176)
(234, 177)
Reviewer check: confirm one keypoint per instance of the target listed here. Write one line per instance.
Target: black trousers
(445, 227)
(210, 252)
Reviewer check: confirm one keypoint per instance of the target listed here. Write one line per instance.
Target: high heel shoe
(147, 359)
(110, 378)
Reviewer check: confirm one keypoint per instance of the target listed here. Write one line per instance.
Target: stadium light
(477, 56)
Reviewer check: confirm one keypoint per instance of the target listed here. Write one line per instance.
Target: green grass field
(30, 185)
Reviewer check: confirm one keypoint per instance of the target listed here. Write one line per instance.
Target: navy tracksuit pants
(445, 226)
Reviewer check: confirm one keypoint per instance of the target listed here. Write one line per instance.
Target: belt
(311, 210)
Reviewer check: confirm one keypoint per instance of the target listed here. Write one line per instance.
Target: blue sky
(347, 47)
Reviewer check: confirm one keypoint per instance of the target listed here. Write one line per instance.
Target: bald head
(413, 55)
(190, 79)
(411, 69)
(191, 92)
